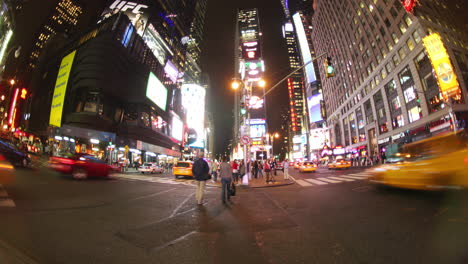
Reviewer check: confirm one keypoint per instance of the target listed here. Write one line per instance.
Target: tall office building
(63, 19)
(250, 111)
(385, 90)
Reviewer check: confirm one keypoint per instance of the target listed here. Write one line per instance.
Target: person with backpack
(200, 171)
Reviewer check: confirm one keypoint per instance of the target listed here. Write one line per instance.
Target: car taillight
(466, 160)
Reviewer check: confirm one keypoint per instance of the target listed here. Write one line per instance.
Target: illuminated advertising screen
(156, 44)
(304, 48)
(60, 90)
(177, 130)
(318, 138)
(446, 77)
(257, 131)
(156, 91)
(251, 50)
(137, 11)
(313, 103)
(193, 100)
(253, 70)
(171, 70)
(257, 122)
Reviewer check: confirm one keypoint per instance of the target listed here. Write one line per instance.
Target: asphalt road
(54, 219)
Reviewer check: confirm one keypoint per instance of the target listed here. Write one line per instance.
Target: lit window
(402, 53)
(410, 44)
(414, 114)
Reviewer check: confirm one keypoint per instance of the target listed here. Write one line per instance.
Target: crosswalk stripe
(354, 177)
(316, 182)
(328, 180)
(359, 174)
(303, 183)
(340, 179)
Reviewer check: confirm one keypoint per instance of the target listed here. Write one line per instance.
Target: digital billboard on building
(156, 91)
(304, 48)
(137, 11)
(193, 100)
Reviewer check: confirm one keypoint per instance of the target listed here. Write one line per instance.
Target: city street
(54, 219)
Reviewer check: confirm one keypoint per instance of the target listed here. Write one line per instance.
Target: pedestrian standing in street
(200, 171)
(241, 170)
(255, 168)
(286, 169)
(225, 174)
(260, 168)
(214, 170)
(267, 169)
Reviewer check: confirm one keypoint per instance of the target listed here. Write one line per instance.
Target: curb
(11, 255)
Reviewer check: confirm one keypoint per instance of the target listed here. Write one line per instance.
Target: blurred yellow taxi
(339, 164)
(297, 165)
(435, 163)
(308, 167)
(182, 168)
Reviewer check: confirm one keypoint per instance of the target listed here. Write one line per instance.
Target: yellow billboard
(443, 68)
(60, 90)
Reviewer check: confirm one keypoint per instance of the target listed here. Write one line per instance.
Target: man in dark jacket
(200, 171)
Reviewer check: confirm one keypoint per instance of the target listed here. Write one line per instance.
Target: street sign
(245, 140)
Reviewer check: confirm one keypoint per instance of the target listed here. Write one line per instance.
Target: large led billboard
(157, 45)
(251, 50)
(304, 48)
(257, 131)
(156, 91)
(313, 103)
(60, 90)
(136, 10)
(171, 71)
(177, 128)
(193, 100)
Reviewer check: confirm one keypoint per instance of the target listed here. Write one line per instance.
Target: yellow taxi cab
(308, 167)
(432, 164)
(182, 168)
(297, 165)
(339, 164)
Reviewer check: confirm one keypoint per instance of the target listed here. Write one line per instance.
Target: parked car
(13, 154)
(80, 166)
(150, 168)
(183, 168)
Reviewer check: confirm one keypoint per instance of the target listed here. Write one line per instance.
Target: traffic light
(243, 110)
(329, 69)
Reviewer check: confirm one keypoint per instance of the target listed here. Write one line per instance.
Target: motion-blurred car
(13, 154)
(6, 171)
(80, 166)
(297, 165)
(150, 168)
(308, 167)
(432, 164)
(339, 164)
(182, 168)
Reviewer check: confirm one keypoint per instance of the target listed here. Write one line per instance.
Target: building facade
(385, 90)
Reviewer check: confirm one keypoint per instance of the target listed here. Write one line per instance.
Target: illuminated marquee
(446, 77)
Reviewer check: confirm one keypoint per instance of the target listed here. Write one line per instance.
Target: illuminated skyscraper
(63, 19)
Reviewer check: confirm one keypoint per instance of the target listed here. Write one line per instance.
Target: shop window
(398, 121)
(383, 128)
(410, 94)
(414, 114)
(396, 103)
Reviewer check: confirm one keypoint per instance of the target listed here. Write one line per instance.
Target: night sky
(218, 62)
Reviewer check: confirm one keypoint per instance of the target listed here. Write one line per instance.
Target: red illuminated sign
(408, 5)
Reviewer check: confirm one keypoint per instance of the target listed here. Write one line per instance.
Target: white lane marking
(181, 204)
(303, 183)
(359, 174)
(340, 179)
(328, 180)
(354, 177)
(316, 182)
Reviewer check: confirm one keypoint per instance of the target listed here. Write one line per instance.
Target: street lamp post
(271, 138)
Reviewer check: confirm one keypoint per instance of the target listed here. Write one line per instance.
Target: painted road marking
(328, 180)
(303, 183)
(354, 177)
(359, 174)
(316, 182)
(340, 179)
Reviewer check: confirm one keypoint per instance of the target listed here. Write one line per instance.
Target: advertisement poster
(137, 12)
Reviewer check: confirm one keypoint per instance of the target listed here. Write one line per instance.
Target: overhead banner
(60, 90)
(440, 60)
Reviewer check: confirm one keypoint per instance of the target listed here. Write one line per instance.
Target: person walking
(241, 170)
(225, 174)
(214, 170)
(255, 168)
(235, 171)
(267, 169)
(286, 169)
(200, 171)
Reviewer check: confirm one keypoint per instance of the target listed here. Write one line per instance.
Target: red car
(80, 166)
